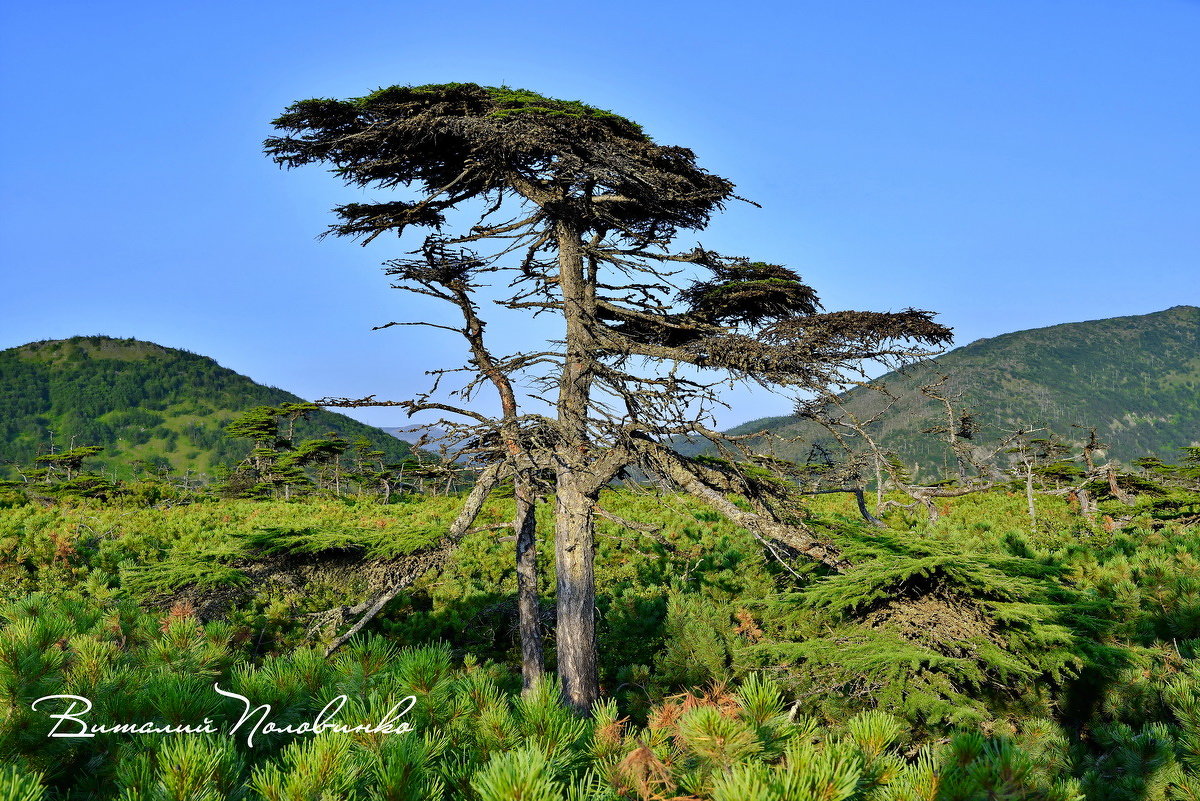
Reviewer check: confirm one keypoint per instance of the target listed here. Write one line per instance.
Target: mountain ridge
(1136, 378)
(143, 402)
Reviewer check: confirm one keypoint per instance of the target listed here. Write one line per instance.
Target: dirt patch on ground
(936, 618)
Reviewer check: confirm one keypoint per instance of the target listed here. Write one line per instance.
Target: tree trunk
(529, 608)
(864, 511)
(487, 480)
(1086, 509)
(1115, 488)
(574, 557)
(878, 483)
(930, 508)
(575, 495)
(524, 520)
(1029, 495)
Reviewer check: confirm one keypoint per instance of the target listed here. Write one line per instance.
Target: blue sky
(1007, 164)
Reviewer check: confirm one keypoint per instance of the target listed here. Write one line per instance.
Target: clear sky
(1007, 163)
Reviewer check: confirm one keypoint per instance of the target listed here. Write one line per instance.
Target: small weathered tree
(255, 474)
(1177, 494)
(64, 475)
(579, 209)
(68, 463)
(276, 462)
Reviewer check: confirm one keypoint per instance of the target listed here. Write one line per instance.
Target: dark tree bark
(529, 607)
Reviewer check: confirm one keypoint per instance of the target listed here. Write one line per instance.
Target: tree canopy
(458, 141)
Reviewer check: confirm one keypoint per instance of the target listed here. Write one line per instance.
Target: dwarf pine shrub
(972, 658)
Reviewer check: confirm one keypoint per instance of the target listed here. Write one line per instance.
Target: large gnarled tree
(579, 209)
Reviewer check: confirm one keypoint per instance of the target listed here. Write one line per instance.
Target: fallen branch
(487, 481)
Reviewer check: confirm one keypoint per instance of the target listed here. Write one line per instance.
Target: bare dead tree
(848, 473)
(959, 428)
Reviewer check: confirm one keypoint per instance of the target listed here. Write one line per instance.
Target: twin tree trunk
(529, 610)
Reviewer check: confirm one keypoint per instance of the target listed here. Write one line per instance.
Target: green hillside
(1136, 379)
(140, 401)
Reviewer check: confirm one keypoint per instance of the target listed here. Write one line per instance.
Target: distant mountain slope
(141, 401)
(411, 434)
(1136, 379)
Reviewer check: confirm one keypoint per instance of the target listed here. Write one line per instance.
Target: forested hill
(140, 401)
(1136, 379)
